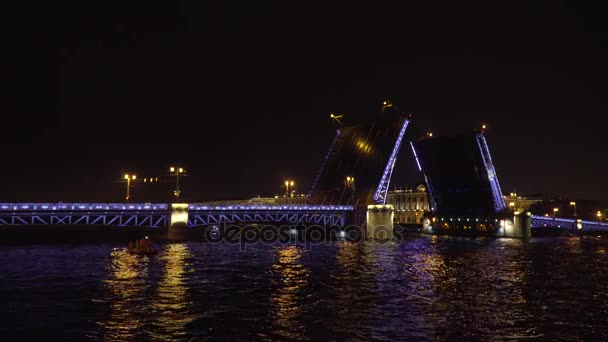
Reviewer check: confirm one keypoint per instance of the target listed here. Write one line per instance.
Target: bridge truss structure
(159, 215)
(326, 215)
(109, 214)
(499, 202)
(567, 224)
(381, 193)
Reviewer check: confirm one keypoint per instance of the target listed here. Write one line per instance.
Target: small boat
(141, 247)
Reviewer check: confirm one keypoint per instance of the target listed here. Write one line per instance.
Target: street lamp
(555, 210)
(350, 182)
(337, 118)
(386, 104)
(129, 177)
(574, 205)
(350, 185)
(599, 215)
(288, 183)
(176, 171)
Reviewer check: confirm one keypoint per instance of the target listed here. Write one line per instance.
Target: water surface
(426, 288)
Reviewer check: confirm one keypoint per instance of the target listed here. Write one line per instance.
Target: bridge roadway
(162, 214)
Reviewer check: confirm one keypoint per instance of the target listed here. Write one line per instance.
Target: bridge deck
(566, 223)
(161, 214)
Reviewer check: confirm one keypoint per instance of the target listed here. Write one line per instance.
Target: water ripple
(423, 288)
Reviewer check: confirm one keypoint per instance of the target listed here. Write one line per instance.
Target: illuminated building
(410, 204)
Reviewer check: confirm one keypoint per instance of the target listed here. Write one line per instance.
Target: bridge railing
(566, 223)
(60, 207)
(269, 207)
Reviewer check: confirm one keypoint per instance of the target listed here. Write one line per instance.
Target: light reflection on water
(172, 306)
(126, 286)
(425, 288)
(290, 279)
(143, 306)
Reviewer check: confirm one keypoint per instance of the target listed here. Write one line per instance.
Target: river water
(420, 288)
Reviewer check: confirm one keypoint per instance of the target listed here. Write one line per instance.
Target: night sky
(239, 92)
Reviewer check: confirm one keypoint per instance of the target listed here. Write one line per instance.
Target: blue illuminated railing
(9, 207)
(499, 202)
(382, 190)
(566, 223)
(82, 206)
(329, 153)
(271, 207)
(429, 185)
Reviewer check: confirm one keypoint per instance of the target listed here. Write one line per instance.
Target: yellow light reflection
(126, 286)
(171, 304)
(290, 281)
(347, 260)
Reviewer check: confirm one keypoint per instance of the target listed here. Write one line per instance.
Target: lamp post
(599, 215)
(574, 205)
(350, 185)
(555, 210)
(350, 182)
(129, 177)
(288, 183)
(176, 171)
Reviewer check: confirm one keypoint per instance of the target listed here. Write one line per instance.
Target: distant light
(172, 169)
(126, 176)
(181, 170)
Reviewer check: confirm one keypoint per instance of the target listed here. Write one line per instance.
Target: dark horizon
(93, 91)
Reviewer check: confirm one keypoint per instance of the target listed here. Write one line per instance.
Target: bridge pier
(379, 222)
(178, 223)
(517, 227)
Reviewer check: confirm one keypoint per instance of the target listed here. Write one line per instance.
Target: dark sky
(239, 92)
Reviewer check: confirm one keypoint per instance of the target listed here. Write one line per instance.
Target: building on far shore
(519, 203)
(300, 199)
(409, 204)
